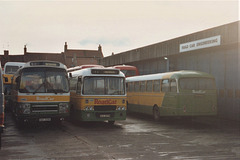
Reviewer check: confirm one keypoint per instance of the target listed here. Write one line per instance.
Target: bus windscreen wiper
(39, 87)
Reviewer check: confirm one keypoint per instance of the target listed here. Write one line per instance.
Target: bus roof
(124, 67)
(168, 75)
(11, 64)
(98, 72)
(45, 63)
(15, 64)
(83, 66)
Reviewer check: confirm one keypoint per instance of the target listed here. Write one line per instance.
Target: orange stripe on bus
(43, 98)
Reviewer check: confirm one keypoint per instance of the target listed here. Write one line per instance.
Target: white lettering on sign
(199, 44)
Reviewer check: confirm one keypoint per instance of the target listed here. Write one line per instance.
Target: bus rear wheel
(156, 113)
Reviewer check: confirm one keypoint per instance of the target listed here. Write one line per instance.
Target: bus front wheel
(111, 122)
(156, 113)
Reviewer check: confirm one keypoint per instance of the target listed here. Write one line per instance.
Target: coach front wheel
(156, 113)
(111, 122)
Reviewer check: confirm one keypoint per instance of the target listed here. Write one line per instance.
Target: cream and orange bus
(40, 91)
(98, 94)
(180, 93)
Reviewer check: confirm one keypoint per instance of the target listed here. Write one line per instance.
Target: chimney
(6, 53)
(5, 57)
(25, 49)
(65, 47)
(100, 48)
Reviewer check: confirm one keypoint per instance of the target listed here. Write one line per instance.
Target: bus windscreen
(43, 80)
(103, 86)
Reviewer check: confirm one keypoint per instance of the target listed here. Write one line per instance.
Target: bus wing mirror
(17, 80)
(80, 79)
(70, 75)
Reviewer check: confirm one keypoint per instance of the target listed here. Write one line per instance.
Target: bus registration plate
(44, 119)
(104, 115)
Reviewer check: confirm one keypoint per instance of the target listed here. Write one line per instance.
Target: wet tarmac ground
(137, 138)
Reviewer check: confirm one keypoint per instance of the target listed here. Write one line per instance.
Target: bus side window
(156, 86)
(142, 86)
(173, 85)
(149, 86)
(79, 83)
(136, 87)
(165, 85)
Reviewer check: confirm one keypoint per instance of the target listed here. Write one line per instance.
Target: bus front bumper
(42, 118)
(101, 115)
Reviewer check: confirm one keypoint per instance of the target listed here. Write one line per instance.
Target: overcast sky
(44, 26)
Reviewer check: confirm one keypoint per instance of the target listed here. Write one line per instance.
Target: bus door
(75, 84)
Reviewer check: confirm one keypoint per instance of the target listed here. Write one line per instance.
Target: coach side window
(165, 85)
(136, 86)
(149, 86)
(130, 86)
(173, 85)
(142, 86)
(156, 86)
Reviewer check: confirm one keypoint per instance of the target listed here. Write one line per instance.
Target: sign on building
(199, 44)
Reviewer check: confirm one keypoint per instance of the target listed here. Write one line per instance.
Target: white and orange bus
(98, 94)
(179, 93)
(40, 91)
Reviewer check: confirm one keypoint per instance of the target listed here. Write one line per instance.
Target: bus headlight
(121, 108)
(25, 108)
(63, 108)
(89, 108)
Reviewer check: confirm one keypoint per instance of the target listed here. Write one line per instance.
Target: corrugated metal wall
(221, 61)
